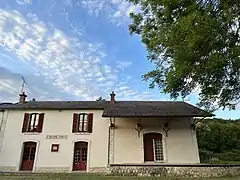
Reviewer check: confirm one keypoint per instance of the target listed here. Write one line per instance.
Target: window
(158, 148)
(55, 148)
(33, 122)
(82, 122)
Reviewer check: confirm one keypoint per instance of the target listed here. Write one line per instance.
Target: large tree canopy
(193, 44)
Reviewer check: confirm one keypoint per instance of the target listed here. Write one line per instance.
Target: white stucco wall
(179, 147)
(55, 123)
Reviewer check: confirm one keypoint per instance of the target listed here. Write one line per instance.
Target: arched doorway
(153, 147)
(80, 156)
(28, 156)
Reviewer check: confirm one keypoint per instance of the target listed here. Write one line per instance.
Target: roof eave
(31, 108)
(129, 116)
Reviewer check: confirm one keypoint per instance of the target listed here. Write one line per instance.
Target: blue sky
(74, 50)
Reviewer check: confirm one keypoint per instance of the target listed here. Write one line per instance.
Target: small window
(33, 122)
(82, 122)
(55, 148)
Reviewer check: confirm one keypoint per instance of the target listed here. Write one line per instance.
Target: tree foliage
(219, 139)
(100, 99)
(193, 43)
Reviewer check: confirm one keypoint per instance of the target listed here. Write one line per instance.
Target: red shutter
(90, 122)
(40, 122)
(75, 123)
(25, 122)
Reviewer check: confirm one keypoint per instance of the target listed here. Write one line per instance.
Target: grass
(224, 162)
(82, 176)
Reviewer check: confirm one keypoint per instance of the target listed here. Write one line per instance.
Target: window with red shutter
(33, 122)
(82, 122)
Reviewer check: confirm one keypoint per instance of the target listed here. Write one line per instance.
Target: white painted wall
(179, 147)
(55, 123)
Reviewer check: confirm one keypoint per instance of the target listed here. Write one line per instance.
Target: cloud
(73, 66)
(123, 64)
(23, 2)
(10, 87)
(117, 11)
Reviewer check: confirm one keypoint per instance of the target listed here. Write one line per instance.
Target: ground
(93, 177)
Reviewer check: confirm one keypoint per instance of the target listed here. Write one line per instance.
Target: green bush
(205, 155)
(219, 139)
(229, 156)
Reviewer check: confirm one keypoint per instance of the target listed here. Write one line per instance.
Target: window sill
(31, 133)
(82, 133)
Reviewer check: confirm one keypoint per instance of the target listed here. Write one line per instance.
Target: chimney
(22, 98)
(112, 98)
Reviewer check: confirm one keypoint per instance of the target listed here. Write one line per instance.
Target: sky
(74, 50)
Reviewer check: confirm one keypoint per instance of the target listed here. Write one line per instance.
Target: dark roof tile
(119, 108)
(57, 105)
(153, 108)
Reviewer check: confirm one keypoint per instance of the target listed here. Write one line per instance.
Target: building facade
(89, 136)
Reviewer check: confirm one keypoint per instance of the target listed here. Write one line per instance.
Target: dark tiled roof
(119, 108)
(57, 105)
(4, 105)
(153, 108)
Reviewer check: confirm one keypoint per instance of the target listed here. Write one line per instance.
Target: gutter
(109, 133)
(1, 120)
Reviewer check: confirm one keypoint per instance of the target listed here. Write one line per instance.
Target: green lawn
(95, 177)
(223, 162)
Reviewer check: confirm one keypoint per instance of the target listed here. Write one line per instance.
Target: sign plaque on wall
(56, 136)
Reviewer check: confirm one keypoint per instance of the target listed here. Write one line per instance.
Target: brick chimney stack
(22, 98)
(112, 98)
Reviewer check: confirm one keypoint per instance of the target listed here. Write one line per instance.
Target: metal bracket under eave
(166, 127)
(138, 127)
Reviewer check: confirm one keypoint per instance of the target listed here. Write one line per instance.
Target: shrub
(229, 156)
(205, 155)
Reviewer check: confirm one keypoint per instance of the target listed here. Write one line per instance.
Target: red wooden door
(28, 157)
(148, 143)
(80, 156)
(148, 147)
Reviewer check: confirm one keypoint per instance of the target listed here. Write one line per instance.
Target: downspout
(111, 140)
(109, 134)
(193, 123)
(1, 120)
(2, 127)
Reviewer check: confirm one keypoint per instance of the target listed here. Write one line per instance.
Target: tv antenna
(24, 82)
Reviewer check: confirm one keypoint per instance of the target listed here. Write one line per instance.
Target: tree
(193, 43)
(219, 138)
